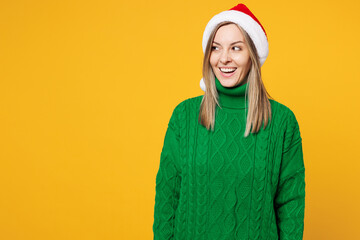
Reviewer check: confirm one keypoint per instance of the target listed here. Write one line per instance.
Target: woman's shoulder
(283, 113)
(187, 105)
(279, 106)
(190, 103)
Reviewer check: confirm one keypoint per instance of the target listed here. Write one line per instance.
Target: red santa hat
(244, 18)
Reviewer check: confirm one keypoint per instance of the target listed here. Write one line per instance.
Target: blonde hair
(259, 108)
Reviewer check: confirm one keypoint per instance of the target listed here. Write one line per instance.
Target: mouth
(227, 72)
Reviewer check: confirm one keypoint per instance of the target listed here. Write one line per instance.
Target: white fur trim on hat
(202, 85)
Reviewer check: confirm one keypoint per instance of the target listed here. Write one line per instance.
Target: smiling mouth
(228, 74)
(227, 70)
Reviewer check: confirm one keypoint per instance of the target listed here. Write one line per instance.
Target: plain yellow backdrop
(87, 89)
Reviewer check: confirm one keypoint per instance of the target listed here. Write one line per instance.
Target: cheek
(213, 60)
(242, 60)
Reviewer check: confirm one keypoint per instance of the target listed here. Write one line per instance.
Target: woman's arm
(167, 183)
(289, 202)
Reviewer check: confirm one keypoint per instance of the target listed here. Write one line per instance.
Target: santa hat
(244, 18)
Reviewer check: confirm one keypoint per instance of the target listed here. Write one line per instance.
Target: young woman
(232, 162)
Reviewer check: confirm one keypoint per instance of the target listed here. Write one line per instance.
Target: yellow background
(87, 89)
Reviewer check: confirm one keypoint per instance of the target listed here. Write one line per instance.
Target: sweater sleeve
(167, 182)
(289, 202)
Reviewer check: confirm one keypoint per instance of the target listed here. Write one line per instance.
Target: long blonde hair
(259, 108)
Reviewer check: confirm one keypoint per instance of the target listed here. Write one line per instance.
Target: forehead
(229, 33)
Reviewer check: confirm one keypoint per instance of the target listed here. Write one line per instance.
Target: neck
(232, 97)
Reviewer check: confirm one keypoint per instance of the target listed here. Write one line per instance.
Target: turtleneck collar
(232, 97)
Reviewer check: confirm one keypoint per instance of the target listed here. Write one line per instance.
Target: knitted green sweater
(221, 185)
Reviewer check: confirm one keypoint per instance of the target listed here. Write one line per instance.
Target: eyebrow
(230, 44)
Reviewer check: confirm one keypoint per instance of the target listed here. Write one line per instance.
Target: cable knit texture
(220, 185)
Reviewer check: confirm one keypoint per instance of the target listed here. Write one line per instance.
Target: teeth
(227, 69)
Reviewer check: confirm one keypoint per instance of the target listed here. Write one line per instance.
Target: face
(230, 58)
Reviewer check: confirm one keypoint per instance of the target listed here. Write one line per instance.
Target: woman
(232, 163)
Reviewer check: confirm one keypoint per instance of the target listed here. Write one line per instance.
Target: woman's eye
(214, 48)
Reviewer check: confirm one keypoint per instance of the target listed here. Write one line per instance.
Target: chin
(228, 82)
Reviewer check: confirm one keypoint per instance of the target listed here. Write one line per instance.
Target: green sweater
(220, 185)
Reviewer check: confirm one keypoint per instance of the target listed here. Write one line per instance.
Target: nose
(225, 57)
